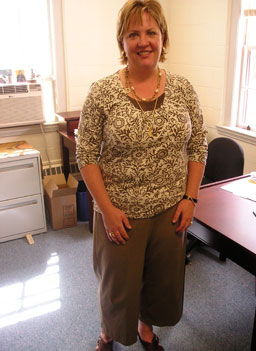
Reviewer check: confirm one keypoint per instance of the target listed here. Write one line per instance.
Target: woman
(141, 151)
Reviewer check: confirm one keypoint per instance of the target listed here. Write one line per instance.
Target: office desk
(229, 223)
(225, 222)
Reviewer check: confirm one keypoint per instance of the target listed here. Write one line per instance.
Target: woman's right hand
(116, 223)
(115, 220)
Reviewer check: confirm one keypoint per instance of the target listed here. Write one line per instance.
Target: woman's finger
(116, 237)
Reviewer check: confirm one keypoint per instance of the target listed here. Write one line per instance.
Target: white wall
(90, 45)
(200, 34)
(198, 31)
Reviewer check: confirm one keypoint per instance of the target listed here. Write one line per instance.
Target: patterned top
(143, 174)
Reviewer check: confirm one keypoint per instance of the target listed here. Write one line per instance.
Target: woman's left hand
(184, 214)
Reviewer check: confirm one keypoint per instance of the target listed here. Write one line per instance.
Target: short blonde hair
(136, 8)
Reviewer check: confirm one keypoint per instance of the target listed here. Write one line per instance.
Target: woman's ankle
(145, 331)
(105, 337)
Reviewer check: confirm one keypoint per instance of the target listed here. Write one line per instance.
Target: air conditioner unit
(20, 104)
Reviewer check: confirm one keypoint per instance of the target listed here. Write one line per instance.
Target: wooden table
(226, 222)
(68, 121)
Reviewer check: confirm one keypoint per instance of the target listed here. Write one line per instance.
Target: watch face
(186, 197)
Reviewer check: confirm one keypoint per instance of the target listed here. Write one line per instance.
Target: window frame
(58, 52)
(243, 66)
(228, 126)
(57, 78)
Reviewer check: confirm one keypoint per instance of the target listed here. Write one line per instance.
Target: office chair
(225, 160)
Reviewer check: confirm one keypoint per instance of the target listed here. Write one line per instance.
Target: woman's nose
(143, 40)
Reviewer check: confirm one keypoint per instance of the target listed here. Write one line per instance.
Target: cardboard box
(60, 200)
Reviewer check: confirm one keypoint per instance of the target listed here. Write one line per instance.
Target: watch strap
(187, 197)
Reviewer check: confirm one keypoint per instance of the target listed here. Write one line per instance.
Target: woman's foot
(104, 344)
(148, 339)
(153, 345)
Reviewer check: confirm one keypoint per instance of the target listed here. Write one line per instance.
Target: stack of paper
(253, 177)
(245, 187)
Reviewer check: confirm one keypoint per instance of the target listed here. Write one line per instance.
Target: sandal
(151, 346)
(103, 345)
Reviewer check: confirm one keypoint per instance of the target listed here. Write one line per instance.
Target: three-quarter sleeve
(90, 130)
(197, 145)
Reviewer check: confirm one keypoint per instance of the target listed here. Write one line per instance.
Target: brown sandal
(103, 345)
(151, 346)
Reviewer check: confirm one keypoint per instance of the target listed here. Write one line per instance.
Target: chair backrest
(225, 160)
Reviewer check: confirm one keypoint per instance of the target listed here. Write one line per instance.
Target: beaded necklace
(130, 87)
(150, 131)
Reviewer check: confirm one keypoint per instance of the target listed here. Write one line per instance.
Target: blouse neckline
(146, 105)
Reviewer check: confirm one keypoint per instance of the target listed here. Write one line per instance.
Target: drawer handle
(16, 167)
(21, 204)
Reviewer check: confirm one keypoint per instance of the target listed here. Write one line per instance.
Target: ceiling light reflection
(41, 283)
(30, 313)
(35, 297)
(53, 260)
(11, 292)
(10, 298)
(52, 269)
(40, 299)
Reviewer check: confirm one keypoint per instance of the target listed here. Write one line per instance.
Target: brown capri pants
(143, 279)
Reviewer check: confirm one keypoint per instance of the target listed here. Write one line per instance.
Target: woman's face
(143, 42)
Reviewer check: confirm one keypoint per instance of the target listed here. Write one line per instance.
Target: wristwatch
(187, 197)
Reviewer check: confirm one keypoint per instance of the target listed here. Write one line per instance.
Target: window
(244, 93)
(26, 51)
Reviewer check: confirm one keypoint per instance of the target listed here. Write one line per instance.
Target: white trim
(30, 129)
(244, 135)
(59, 54)
(231, 93)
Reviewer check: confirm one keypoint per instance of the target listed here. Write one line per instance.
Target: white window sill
(244, 135)
(29, 129)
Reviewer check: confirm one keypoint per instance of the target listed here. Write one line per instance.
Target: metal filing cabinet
(21, 192)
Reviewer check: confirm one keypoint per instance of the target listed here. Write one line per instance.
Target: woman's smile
(144, 53)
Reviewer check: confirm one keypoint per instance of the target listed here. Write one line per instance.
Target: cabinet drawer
(19, 178)
(21, 216)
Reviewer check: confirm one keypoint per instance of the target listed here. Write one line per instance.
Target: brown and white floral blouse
(144, 174)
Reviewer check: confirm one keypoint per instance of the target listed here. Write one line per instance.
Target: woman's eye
(132, 35)
(152, 33)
